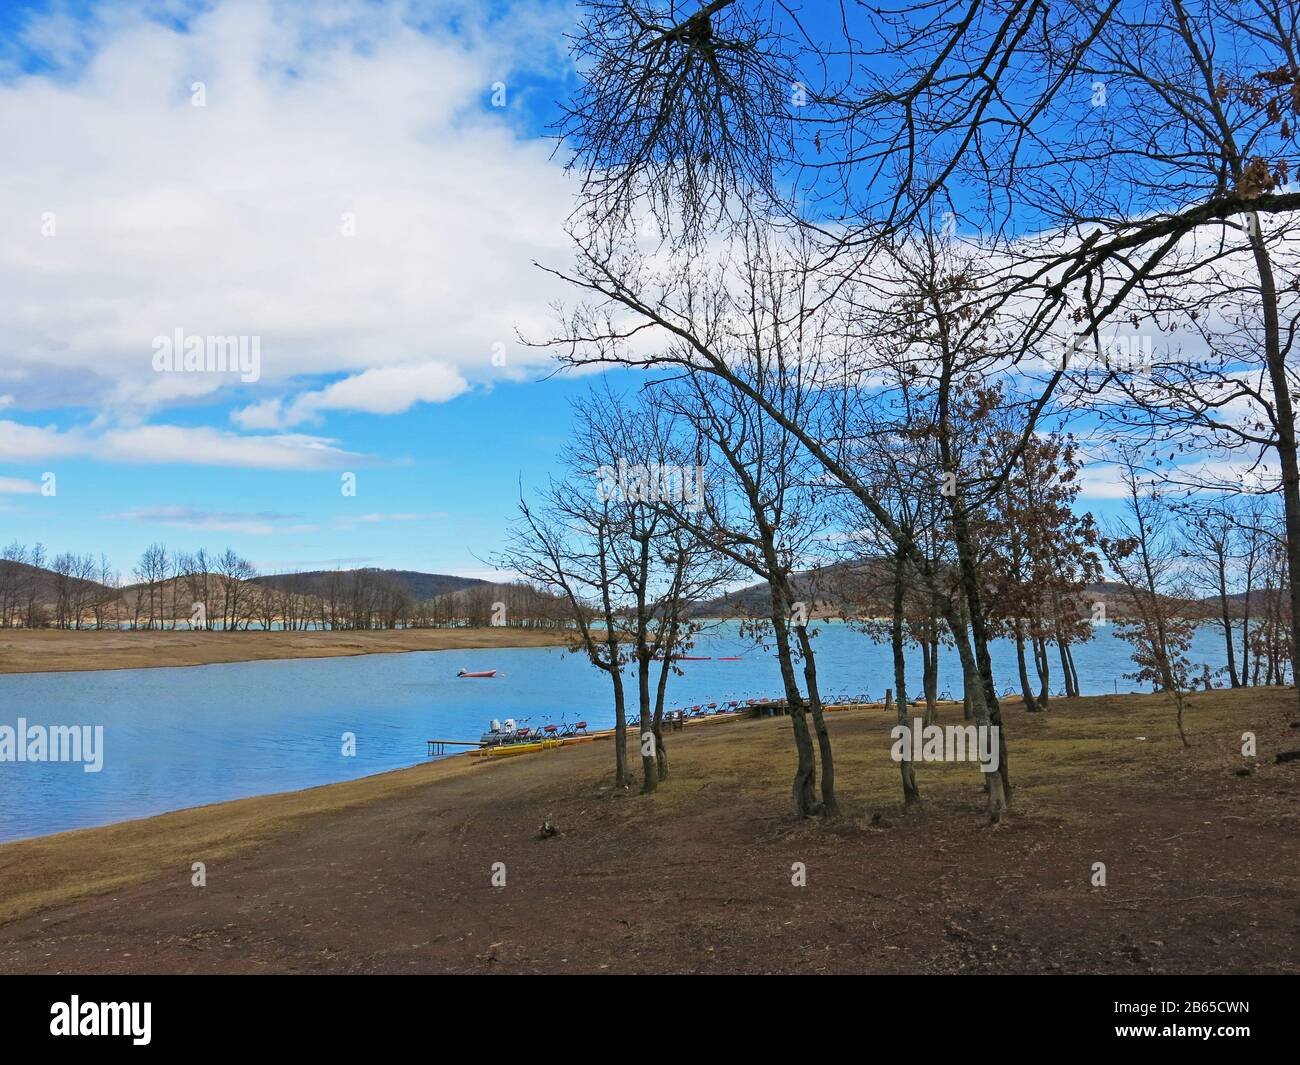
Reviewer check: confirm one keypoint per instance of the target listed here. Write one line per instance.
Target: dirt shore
(56, 650)
(393, 873)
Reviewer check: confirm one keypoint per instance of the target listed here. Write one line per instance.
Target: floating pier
(724, 711)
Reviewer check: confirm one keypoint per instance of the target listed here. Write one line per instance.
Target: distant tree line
(223, 592)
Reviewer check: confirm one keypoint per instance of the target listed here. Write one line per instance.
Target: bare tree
(760, 512)
(1142, 551)
(566, 545)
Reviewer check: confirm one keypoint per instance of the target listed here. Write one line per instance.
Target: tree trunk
(1245, 635)
(830, 807)
(1286, 432)
(1070, 691)
(905, 766)
(649, 761)
(620, 722)
(661, 751)
(1044, 671)
(988, 704)
(930, 674)
(969, 571)
(1074, 670)
(805, 777)
(1179, 704)
(1025, 689)
(1226, 618)
(995, 783)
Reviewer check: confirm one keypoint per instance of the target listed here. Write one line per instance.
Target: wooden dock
(440, 746)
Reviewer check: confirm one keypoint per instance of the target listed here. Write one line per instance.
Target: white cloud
(264, 414)
(256, 523)
(230, 219)
(211, 447)
(18, 486)
(27, 443)
(1099, 481)
(387, 390)
(379, 518)
(184, 517)
(168, 444)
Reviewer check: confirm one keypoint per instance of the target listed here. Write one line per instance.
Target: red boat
(480, 673)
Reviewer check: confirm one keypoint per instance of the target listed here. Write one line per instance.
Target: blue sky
(339, 183)
(358, 190)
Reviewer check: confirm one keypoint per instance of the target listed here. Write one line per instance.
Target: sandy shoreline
(56, 651)
(44, 870)
(391, 873)
(101, 857)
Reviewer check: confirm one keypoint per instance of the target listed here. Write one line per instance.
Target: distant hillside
(864, 589)
(421, 586)
(1119, 602)
(39, 581)
(233, 598)
(858, 587)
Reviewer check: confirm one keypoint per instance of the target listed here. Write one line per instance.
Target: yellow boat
(507, 749)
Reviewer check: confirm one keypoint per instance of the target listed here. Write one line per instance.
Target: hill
(42, 583)
(421, 586)
(864, 589)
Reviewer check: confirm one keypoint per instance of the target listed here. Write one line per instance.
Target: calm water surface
(188, 736)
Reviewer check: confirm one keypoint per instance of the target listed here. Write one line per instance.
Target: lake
(181, 737)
